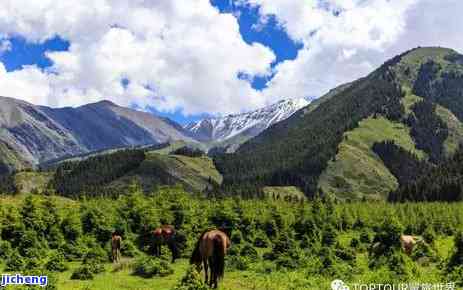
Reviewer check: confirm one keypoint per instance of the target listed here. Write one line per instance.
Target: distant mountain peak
(105, 103)
(244, 125)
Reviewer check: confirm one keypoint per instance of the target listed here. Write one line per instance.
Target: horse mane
(196, 257)
(218, 256)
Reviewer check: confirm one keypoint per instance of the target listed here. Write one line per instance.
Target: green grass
(357, 171)
(192, 172)
(455, 127)
(251, 279)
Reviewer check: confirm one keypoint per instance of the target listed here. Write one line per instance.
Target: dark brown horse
(165, 235)
(116, 242)
(210, 250)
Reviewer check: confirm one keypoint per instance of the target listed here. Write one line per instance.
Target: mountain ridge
(41, 133)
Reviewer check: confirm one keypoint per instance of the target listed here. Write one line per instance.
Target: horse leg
(213, 270)
(172, 250)
(205, 270)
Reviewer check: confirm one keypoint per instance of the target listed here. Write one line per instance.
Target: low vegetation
(276, 244)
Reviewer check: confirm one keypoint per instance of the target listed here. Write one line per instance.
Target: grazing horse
(210, 250)
(116, 241)
(408, 243)
(165, 235)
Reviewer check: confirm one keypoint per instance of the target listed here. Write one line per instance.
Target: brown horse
(409, 242)
(116, 242)
(165, 235)
(210, 250)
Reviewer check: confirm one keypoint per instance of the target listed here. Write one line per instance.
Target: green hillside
(194, 173)
(414, 99)
(356, 171)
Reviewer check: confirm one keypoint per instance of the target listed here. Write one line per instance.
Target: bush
(87, 270)
(128, 249)
(249, 252)
(456, 275)
(96, 255)
(365, 237)
(456, 259)
(15, 262)
(423, 250)
(56, 263)
(261, 240)
(237, 237)
(5, 249)
(239, 263)
(191, 281)
(355, 243)
(84, 272)
(148, 267)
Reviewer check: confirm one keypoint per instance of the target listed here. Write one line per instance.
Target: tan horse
(165, 235)
(116, 242)
(408, 243)
(210, 250)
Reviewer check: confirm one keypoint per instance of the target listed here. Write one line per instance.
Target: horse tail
(218, 256)
(196, 257)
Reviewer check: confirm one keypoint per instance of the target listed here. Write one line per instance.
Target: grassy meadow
(275, 244)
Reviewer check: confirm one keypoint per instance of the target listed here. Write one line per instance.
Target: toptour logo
(339, 285)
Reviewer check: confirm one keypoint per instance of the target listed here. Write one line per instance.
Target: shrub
(239, 263)
(56, 263)
(87, 270)
(261, 240)
(456, 259)
(249, 252)
(5, 249)
(329, 236)
(423, 250)
(128, 249)
(84, 272)
(191, 281)
(456, 275)
(237, 237)
(15, 262)
(365, 237)
(96, 255)
(355, 243)
(149, 267)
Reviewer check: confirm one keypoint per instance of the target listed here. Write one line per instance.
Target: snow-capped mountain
(241, 127)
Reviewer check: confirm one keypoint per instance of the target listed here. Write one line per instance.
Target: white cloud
(184, 54)
(341, 48)
(176, 54)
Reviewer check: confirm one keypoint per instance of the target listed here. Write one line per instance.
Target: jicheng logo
(339, 285)
(19, 279)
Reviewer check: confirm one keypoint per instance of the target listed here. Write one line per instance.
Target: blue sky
(186, 59)
(23, 53)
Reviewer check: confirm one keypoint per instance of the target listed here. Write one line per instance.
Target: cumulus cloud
(174, 54)
(184, 54)
(345, 40)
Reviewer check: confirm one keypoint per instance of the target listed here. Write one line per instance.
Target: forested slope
(417, 94)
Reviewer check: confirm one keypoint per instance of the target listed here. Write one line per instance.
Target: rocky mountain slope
(414, 101)
(236, 129)
(32, 134)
